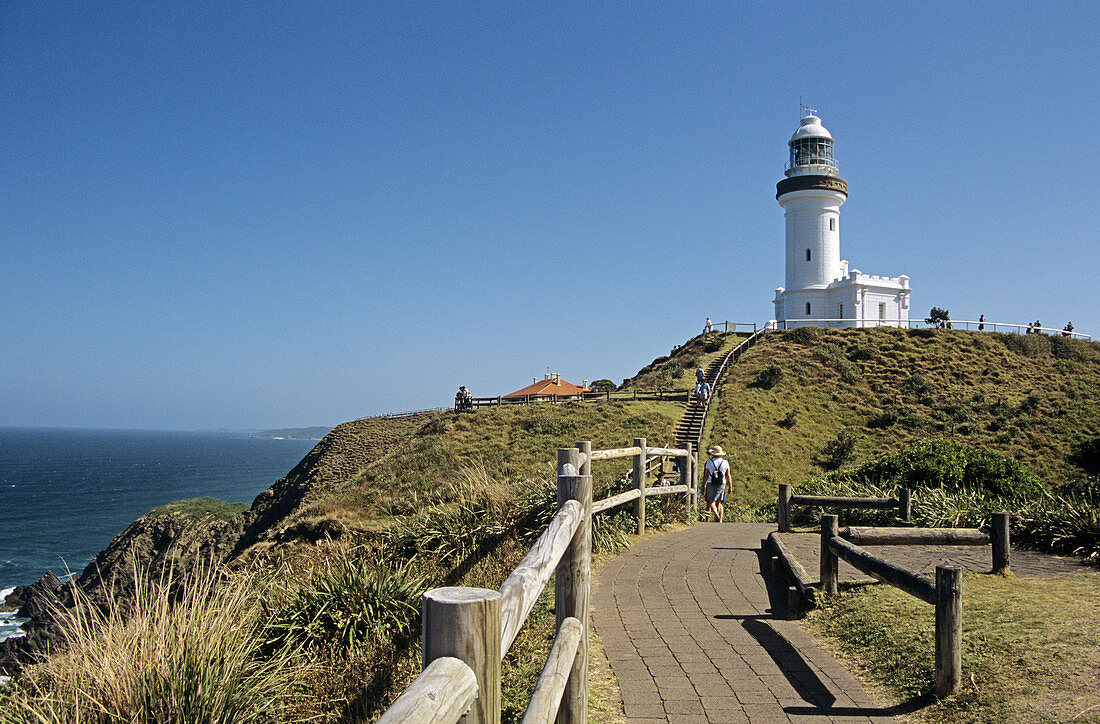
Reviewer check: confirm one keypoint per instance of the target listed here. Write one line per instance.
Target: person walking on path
(717, 474)
(701, 392)
(700, 376)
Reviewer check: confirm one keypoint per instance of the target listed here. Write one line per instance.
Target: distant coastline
(294, 433)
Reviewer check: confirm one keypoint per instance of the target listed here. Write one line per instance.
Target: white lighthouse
(820, 290)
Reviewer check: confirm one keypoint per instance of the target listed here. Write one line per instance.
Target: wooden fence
(467, 631)
(665, 395)
(904, 504)
(945, 592)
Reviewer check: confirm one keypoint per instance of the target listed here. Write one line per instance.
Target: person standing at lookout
(717, 475)
(708, 328)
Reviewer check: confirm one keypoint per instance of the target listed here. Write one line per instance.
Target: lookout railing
(466, 632)
(970, 324)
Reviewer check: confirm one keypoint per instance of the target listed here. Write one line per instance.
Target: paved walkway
(686, 619)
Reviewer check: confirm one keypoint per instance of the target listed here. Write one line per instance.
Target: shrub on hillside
(945, 464)
(937, 317)
(803, 335)
(1086, 455)
(839, 451)
(349, 604)
(788, 421)
(768, 377)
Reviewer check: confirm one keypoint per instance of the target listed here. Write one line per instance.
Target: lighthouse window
(807, 309)
(807, 255)
(832, 224)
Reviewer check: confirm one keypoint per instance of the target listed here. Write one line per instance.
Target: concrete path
(686, 620)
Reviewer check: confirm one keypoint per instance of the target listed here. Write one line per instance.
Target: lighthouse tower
(819, 288)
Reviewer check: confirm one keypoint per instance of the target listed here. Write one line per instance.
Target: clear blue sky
(248, 215)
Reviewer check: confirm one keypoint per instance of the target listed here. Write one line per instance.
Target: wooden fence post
(585, 448)
(948, 629)
(830, 527)
(905, 504)
(572, 583)
(465, 623)
(639, 483)
(1000, 542)
(687, 477)
(783, 509)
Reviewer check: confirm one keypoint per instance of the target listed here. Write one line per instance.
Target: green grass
(1033, 400)
(202, 508)
(676, 371)
(1031, 648)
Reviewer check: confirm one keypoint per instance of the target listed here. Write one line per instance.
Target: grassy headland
(383, 508)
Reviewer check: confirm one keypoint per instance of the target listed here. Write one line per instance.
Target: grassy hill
(383, 508)
(1032, 398)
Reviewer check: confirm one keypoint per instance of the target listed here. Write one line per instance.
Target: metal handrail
(967, 324)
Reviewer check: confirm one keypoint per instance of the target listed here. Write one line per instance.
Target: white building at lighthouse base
(853, 300)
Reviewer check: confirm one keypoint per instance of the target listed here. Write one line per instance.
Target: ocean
(64, 494)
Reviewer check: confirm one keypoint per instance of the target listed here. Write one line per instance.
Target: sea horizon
(66, 492)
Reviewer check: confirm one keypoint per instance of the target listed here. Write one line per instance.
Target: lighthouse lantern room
(820, 290)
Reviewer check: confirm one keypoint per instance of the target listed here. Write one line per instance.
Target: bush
(1086, 455)
(803, 335)
(603, 385)
(788, 421)
(944, 464)
(839, 451)
(349, 604)
(768, 377)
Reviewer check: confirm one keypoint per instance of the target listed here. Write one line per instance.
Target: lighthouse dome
(811, 128)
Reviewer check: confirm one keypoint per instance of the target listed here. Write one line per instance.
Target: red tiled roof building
(551, 385)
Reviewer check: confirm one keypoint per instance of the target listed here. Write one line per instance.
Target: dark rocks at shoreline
(40, 602)
(154, 546)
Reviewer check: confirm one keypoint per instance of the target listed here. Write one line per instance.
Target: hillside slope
(1030, 397)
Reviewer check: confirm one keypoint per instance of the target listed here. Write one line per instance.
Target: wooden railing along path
(945, 592)
(468, 631)
(787, 498)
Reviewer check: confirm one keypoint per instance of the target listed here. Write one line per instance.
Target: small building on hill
(551, 385)
(820, 288)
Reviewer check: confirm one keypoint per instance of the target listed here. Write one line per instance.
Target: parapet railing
(945, 592)
(787, 498)
(970, 324)
(468, 631)
(729, 326)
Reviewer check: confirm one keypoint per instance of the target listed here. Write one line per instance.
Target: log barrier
(468, 631)
(945, 592)
(787, 498)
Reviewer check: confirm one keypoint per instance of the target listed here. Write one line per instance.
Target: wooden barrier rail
(787, 498)
(470, 630)
(610, 396)
(945, 592)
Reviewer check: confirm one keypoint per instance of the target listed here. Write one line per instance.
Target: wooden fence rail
(787, 498)
(470, 630)
(945, 592)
